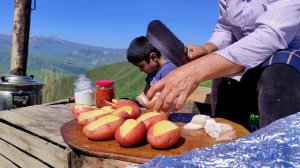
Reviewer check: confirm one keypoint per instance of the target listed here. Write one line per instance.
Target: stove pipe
(20, 37)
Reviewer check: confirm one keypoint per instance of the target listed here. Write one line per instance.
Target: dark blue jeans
(272, 92)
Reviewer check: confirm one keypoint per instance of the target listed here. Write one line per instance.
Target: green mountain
(60, 55)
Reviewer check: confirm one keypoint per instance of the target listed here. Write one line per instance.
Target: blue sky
(114, 23)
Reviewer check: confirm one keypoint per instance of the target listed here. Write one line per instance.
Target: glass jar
(104, 91)
(84, 91)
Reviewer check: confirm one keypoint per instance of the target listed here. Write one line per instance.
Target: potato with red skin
(123, 102)
(107, 108)
(89, 116)
(130, 133)
(163, 134)
(127, 112)
(103, 128)
(152, 118)
(80, 108)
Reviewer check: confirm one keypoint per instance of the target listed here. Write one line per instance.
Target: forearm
(210, 67)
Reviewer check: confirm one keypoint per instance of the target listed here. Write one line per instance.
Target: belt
(288, 56)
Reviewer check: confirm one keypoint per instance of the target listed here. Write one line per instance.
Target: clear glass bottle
(104, 91)
(84, 91)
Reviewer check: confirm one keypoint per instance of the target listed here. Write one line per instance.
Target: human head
(143, 54)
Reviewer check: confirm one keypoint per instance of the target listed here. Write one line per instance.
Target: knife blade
(161, 37)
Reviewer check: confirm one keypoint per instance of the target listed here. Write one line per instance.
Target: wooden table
(31, 137)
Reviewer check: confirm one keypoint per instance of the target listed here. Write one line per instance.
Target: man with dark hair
(149, 60)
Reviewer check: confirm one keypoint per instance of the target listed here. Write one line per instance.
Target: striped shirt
(249, 31)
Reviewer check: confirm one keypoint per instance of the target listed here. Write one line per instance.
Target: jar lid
(15, 82)
(104, 82)
(82, 81)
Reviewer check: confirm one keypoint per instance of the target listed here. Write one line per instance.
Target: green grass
(206, 83)
(129, 81)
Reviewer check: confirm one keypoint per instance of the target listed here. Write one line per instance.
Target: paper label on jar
(86, 97)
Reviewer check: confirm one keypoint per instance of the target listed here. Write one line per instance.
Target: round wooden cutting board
(190, 139)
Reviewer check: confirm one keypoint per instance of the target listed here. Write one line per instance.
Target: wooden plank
(42, 149)
(115, 163)
(201, 95)
(44, 121)
(19, 157)
(74, 160)
(96, 162)
(83, 161)
(91, 162)
(5, 163)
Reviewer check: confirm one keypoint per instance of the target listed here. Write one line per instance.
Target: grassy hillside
(129, 81)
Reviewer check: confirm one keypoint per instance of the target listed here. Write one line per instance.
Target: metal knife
(64, 101)
(166, 42)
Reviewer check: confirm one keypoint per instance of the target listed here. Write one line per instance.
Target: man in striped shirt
(253, 57)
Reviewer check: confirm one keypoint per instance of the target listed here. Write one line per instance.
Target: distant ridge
(59, 54)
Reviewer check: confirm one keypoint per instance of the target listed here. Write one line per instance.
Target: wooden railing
(201, 95)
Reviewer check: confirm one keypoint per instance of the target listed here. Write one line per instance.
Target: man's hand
(174, 89)
(195, 52)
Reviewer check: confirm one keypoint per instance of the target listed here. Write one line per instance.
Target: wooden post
(20, 37)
